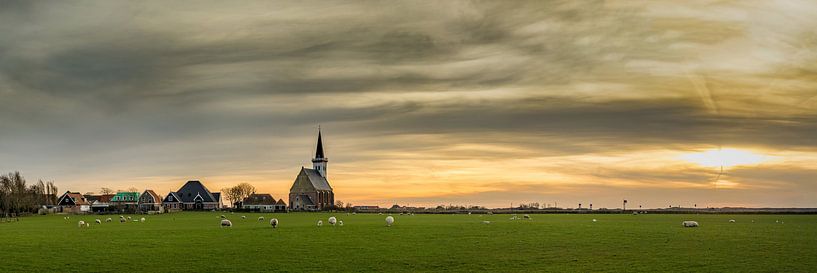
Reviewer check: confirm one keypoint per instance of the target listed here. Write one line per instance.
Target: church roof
(191, 189)
(319, 150)
(318, 181)
(259, 199)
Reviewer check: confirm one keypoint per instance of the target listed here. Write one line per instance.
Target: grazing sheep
(122, 220)
(340, 223)
(129, 218)
(273, 222)
(389, 221)
(731, 220)
(320, 223)
(108, 220)
(260, 219)
(354, 213)
(594, 220)
(635, 213)
(98, 221)
(486, 222)
(135, 221)
(469, 213)
(690, 224)
(81, 223)
(490, 213)
(333, 220)
(226, 223)
(143, 219)
(527, 217)
(514, 217)
(243, 217)
(380, 213)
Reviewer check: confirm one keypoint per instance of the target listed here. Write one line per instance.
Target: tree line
(18, 198)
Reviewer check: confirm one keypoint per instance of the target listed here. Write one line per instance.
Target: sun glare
(725, 158)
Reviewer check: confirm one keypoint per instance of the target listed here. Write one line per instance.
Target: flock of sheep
(274, 221)
(332, 221)
(122, 219)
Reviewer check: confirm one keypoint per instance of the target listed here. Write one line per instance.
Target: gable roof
(217, 196)
(281, 202)
(318, 181)
(156, 197)
(172, 197)
(102, 198)
(74, 198)
(259, 199)
(194, 188)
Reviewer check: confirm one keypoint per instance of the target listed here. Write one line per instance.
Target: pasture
(194, 242)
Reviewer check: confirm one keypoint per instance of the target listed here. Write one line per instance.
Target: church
(311, 190)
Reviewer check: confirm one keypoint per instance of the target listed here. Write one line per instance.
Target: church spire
(319, 151)
(319, 162)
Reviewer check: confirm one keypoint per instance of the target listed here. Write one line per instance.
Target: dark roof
(74, 198)
(259, 199)
(174, 196)
(103, 198)
(191, 189)
(318, 181)
(281, 202)
(217, 196)
(319, 150)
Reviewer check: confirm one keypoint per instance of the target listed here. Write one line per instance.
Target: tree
(105, 191)
(133, 189)
(244, 190)
(339, 204)
(231, 195)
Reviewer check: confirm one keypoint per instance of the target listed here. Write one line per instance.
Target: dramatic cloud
(421, 102)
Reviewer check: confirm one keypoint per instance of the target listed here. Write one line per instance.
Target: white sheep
(486, 222)
(273, 222)
(129, 218)
(81, 223)
(354, 213)
(527, 217)
(320, 223)
(108, 220)
(98, 221)
(469, 213)
(340, 223)
(333, 220)
(731, 220)
(260, 219)
(226, 223)
(243, 217)
(594, 220)
(690, 224)
(490, 213)
(389, 221)
(135, 221)
(143, 219)
(122, 220)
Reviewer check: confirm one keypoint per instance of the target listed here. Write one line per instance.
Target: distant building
(192, 196)
(263, 202)
(311, 189)
(150, 201)
(366, 207)
(100, 203)
(126, 201)
(74, 202)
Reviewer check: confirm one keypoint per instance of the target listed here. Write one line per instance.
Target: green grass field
(194, 242)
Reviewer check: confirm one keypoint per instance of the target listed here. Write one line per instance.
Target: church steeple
(319, 162)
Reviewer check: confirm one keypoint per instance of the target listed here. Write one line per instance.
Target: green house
(125, 197)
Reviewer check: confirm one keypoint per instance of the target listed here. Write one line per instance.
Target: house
(311, 189)
(280, 205)
(125, 201)
(74, 202)
(259, 202)
(150, 201)
(100, 203)
(192, 196)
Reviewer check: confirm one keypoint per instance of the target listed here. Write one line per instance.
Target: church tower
(319, 162)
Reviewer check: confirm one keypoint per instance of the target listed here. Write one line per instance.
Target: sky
(421, 103)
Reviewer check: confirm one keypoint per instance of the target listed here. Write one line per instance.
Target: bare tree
(133, 189)
(105, 191)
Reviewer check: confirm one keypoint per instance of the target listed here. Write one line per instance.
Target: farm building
(311, 189)
(74, 202)
(100, 203)
(263, 202)
(150, 201)
(192, 196)
(125, 201)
